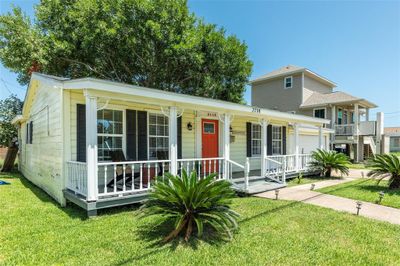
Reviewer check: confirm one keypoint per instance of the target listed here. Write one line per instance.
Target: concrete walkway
(304, 194)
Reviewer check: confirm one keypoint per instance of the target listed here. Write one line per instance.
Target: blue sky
(355, 44)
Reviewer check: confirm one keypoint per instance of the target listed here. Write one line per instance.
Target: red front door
(209, 140)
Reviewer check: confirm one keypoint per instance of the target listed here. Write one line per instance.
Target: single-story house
(99, 143)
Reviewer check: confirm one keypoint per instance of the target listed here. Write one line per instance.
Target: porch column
(226, 141)
(366, 114)
(264, 125)
(173, 140)
(91, 146)
(320, 138)
(296, 145)
(333, 123)
(356, 119)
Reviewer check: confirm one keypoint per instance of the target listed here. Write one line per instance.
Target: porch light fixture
(276, 194)
(189, 126)
(312, 186)
(230, 129)
(358, 206)
(381, 195)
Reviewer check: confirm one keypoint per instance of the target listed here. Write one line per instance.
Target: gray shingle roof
(335, 97)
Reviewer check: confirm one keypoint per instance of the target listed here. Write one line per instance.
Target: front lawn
(308, 180)
(367, 190)
(35, 231)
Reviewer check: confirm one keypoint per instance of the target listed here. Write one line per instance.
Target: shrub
(386, 165)
(193, 202)
(326, 161)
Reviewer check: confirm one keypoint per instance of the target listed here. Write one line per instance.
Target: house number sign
(256, 110)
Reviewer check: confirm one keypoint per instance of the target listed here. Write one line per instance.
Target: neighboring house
(298, 90)
(98, 143)
(393, 133)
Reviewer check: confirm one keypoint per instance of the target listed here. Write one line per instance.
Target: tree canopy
(9, 108)
(158, 44)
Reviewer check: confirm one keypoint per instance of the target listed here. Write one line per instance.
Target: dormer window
(288, 82)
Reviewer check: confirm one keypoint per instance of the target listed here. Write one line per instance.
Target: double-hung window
(109, 132)
(158, 136)
(276, 140)
(320, 113)
(255, 139)
(288, 82)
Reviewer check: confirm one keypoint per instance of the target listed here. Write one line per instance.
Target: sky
(356, 44)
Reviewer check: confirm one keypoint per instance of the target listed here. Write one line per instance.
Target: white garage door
(308, 143)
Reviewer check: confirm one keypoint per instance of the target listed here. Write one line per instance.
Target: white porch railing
(119, 178)
(202, 166)
(344, 130)
(77, 177)
(304, 160)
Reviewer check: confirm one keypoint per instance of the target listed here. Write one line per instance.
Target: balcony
(365, 128)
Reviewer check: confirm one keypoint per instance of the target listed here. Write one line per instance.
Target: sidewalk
(304, 194)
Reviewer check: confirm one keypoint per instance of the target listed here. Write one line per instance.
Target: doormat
(4, 182)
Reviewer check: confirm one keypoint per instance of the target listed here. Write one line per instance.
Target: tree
(193, 202)
(327, 161)
(386, 165)
(9, 108)
(157, 44)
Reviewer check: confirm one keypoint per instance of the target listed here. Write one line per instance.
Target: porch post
(367, 114)
(173, 140)
(226, 141)
(320, 138)
(296, 145)
(356, 119)
(264, 125)
(91, 146)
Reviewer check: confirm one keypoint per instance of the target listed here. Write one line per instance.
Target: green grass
(35, 231)
(396, 153)
(367, 190)
(358, 166)
(308, 180)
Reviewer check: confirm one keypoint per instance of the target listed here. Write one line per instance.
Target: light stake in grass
(358, 206)
(276, 194)
(312, 186)
(381, 195)
(362, 174)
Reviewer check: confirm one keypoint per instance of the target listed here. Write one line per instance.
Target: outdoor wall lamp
(189, 126)
(230, 130)
(358, 206)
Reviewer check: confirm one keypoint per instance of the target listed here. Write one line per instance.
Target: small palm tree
(192, 201)
(386, 165)
(326, 161)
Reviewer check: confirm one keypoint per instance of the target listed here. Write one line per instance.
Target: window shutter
(248, 139)
(284, 140)
(31, 132)
(142, 135)
(179, 124)
(80, 133)
(269, 140)
(131, 135)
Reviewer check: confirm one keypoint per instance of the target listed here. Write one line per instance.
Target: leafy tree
(193, 202)
(9, 108)
(386, 165)
(327, 161)
(157, 44)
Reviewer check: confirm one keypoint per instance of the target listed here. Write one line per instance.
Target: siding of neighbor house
(272, 94)
(314, 85)
(41, 162)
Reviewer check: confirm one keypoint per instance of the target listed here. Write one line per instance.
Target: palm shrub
(326, 161)
(193, 202)
(386, 165)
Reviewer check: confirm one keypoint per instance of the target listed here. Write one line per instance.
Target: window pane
(208, 128)
(158, 135)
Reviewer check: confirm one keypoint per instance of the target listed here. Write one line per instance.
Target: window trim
(320, 108)
(291, 82)
(154, 112)
(254, 155)
(113, 108)
(281, 139)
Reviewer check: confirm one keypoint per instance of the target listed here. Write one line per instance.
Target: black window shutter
(31, 132)
(269, 140)
(142, 135)
(284, 140)
(179, 125)
(80, 133)
(248, 139)
(27, 133)
(131, 135)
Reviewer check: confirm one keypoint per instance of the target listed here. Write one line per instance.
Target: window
(320, 113)
(208, 128)
(109, 132)
(255, 139)
(158, 135)
(276, 140)
(340, 117)
(288, 81)
(29, 132)
(394, 143)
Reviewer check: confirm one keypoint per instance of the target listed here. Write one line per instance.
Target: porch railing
(344, 130)
(77, 177)
(202, 166)
(304, 161)
(119, 178)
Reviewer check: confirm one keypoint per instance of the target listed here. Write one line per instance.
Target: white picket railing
(304, 160)
(77, 177)
(202, 166)
(119, 178)
(344, 130)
